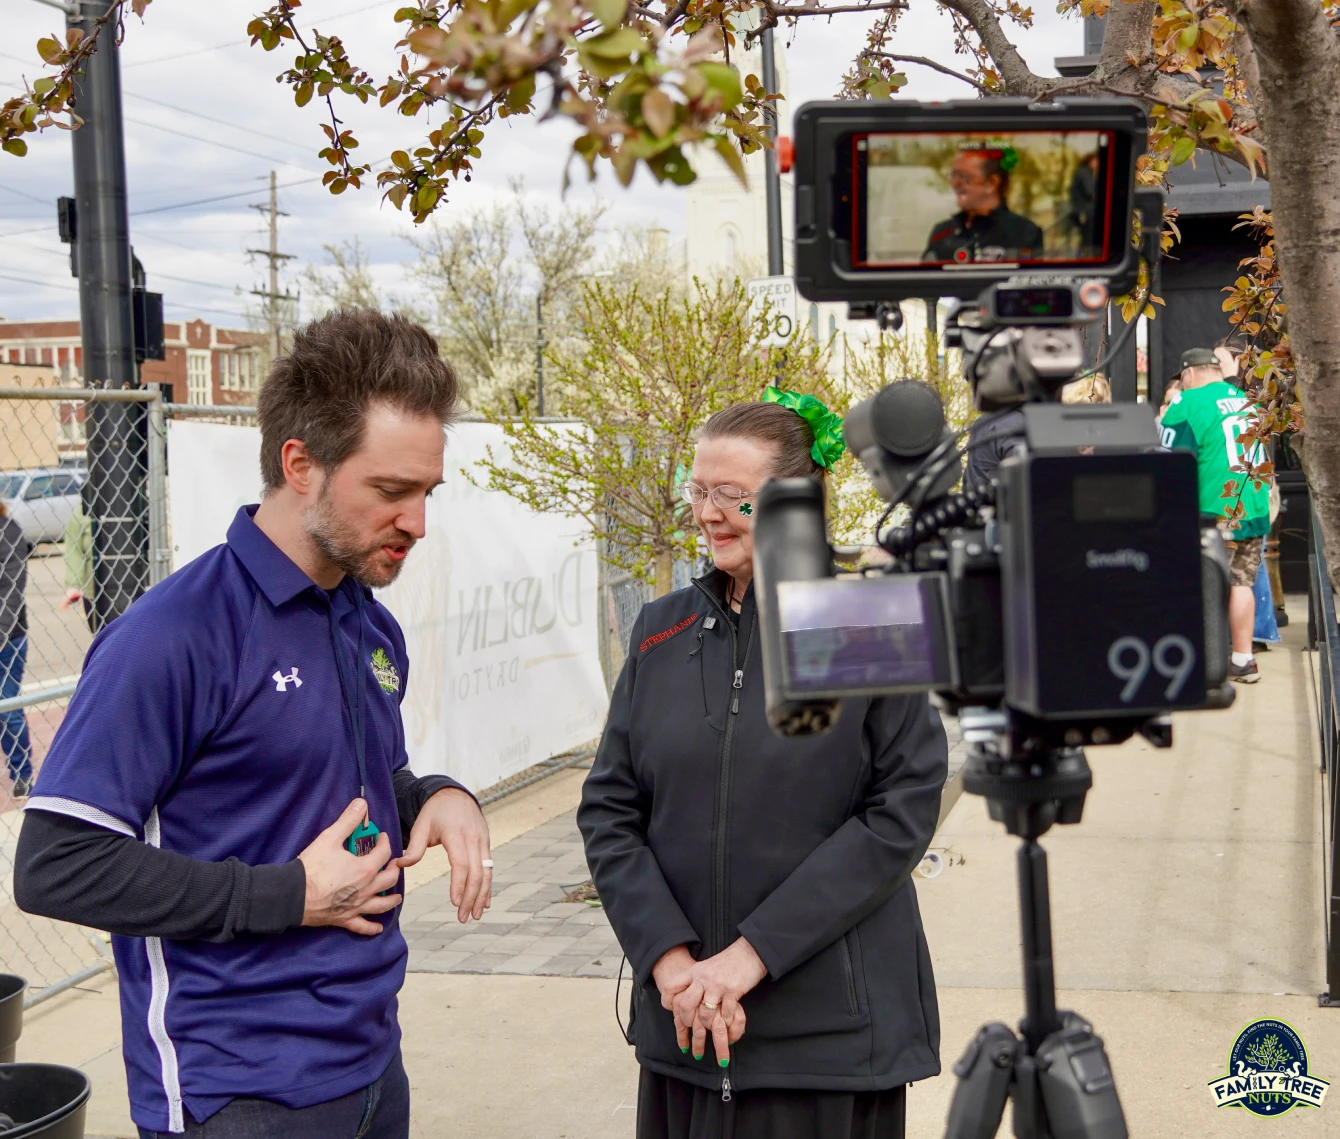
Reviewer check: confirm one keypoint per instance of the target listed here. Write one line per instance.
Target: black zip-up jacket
(701, 825)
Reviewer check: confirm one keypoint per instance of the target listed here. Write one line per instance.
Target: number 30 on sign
(777, 297)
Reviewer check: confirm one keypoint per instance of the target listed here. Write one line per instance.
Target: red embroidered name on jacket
(657, 638)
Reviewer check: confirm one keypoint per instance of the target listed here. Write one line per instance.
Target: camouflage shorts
(1244, 560)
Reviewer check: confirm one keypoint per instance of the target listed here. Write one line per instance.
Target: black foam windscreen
(904, 418)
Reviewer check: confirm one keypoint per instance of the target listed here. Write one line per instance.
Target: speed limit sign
(775, 296)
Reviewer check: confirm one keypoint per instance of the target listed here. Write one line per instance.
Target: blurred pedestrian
(77, 555)
(1207, 416)
(1170, 392)
(1090, 389)
(760, 886)
(1226, 351)
(14, 739)
(229, 792)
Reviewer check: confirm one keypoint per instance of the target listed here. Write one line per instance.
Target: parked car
(42, 499)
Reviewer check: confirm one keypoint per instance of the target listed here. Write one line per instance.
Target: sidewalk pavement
(1187, 903)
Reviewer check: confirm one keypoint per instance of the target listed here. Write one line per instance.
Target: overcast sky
(205, 118)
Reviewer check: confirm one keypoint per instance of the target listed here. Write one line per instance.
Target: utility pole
(772, 181)
(539, 354)
(273, 296)
(117, 449)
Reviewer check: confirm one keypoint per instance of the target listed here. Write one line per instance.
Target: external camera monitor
(907, 199)
(857, 635)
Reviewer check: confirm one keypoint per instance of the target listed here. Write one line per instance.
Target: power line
(210, 142)
(25, 194)
(189, 281)
(205, 308)
(20, 232)
(220, 122)
(205, 201)
(42, 284)
(233, 43)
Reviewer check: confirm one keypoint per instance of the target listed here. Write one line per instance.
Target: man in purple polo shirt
(235, 738)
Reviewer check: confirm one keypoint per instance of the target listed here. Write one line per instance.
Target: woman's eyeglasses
(726, 497)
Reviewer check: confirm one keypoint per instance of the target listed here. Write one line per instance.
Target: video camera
(1075, 596)
(1078, 592)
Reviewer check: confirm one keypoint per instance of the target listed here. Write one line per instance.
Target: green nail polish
(697, 1055)
(724, 1063)
(684, 1050)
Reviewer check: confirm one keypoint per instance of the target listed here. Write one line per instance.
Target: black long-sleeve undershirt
(79, 872)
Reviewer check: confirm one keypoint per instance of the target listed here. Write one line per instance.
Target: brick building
(205, 364)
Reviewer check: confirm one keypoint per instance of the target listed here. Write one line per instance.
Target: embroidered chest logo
(666, 634)
(385, 672)
(282, 682)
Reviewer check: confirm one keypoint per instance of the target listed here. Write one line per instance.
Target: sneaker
(21, 788)
(1260, 646)
(1244, 673)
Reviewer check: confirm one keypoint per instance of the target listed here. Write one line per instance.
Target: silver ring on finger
(487, 864)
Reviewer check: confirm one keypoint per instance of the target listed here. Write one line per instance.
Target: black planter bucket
(44, 1100)
(11, 1014)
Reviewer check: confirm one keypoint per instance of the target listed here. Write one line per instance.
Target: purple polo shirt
(210, 720)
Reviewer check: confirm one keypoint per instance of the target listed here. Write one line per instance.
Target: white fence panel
(498, 604)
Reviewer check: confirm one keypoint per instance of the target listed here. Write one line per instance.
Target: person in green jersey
(1206, 417)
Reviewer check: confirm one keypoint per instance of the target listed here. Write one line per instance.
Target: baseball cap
(1198, 358)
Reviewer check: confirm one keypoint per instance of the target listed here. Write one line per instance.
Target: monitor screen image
(965, 199)
(859, 635)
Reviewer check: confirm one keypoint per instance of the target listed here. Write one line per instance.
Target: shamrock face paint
(746, 509)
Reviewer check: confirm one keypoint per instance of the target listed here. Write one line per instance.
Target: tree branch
(773, 12)
(924, 62)
(1127, 36)
(1017, 77)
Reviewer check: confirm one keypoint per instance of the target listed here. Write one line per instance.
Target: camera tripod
(1055, 1070)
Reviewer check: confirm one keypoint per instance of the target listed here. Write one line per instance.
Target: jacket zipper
(717, 935)
(848, 975)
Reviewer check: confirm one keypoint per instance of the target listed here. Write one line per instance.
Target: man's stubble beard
(336, 539)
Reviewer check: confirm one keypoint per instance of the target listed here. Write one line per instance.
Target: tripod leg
(1040, 1019)
(984, 1074)
(1076, 1085)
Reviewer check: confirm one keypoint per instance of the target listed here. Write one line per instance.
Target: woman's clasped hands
(704, 996)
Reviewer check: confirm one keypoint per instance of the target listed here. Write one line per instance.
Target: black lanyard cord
(353, 688)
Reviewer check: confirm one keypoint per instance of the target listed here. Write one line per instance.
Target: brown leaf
(658, 112)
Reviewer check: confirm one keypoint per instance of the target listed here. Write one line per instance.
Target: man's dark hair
(340, 365)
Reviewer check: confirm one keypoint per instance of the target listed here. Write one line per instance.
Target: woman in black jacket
(760, 886)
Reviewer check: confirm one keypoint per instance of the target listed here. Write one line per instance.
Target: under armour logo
(282, 682)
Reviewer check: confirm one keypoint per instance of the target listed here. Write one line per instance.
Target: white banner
(498, 605)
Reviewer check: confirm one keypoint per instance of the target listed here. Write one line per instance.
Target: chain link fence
(83, 534)
(84, 487)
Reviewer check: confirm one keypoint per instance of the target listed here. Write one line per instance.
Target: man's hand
(452, 820)
(342, 887)
(71, 596)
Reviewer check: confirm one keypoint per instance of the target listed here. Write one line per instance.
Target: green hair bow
(826, 425)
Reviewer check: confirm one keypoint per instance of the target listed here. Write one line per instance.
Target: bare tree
(346, 282)
(481, 275)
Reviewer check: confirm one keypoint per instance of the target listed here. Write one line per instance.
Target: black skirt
(668, 1108)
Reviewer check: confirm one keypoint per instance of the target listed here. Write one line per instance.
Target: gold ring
(709, 1005)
